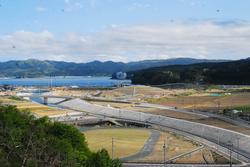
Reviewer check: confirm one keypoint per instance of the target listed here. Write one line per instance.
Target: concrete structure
(46, 97)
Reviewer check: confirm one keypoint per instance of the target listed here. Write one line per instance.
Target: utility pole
(112, 148)
(164, 153)
(238, 145)
(230, 145)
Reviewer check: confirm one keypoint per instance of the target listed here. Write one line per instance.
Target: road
(240, 141)
(147, 148)
(198, 113)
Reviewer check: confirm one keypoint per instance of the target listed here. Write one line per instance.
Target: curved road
(147, 148)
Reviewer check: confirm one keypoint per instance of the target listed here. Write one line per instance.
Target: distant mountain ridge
(224, 73)
(38, 68)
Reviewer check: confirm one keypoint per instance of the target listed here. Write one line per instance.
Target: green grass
(15, 98)
(245, 109)
(157, 100)
(210, 87)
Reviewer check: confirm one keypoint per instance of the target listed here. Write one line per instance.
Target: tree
(29, 142)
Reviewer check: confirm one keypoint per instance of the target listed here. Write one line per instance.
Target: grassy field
(126, 141)
(38, 109)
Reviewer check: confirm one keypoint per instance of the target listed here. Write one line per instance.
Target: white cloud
(41, 9)
(131, 43)
(136, 6)
(71, 5)
(194, 3)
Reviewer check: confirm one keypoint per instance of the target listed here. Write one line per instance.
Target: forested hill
(36, 68)
(233, 72)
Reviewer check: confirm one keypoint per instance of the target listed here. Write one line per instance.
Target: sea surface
(83, 81)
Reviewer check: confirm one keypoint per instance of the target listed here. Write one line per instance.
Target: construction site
(147, 125)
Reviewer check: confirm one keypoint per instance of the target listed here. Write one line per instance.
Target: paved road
(147, 148)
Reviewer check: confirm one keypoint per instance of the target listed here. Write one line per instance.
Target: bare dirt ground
(144, 92)
(129, 92)
(63, 91)
(204, 156)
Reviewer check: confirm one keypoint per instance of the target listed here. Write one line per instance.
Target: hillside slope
(234, 72)
(36, 68)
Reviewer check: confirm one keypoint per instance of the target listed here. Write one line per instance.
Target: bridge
(66, 98)
(46, 97)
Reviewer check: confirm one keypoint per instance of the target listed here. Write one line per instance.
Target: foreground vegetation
(26, 141)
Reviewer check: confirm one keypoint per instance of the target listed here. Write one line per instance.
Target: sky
(124, 30)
